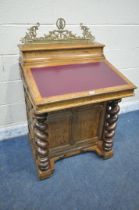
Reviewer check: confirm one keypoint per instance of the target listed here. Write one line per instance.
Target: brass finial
(60, 23)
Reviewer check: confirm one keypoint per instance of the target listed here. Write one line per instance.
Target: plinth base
(97, 148)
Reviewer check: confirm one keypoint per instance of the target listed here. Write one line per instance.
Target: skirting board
(21, 129)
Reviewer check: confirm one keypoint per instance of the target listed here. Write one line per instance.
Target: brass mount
(59, 34)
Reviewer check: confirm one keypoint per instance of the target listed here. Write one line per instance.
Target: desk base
(65, 133)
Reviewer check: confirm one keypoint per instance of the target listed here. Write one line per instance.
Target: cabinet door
(87, 123)
(59, 127)
(74, 127)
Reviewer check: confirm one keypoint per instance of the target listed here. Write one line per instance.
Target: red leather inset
(59, 80)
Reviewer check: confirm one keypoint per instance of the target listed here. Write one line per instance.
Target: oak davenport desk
(72, 94)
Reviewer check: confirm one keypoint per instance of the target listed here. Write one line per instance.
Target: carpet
(82, 182)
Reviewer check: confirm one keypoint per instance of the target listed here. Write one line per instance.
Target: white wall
(114, 23)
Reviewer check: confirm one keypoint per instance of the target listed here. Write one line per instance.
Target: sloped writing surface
(64, 79)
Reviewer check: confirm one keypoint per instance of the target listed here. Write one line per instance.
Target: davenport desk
(72, 94)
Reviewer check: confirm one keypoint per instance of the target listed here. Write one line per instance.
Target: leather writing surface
(59, 80)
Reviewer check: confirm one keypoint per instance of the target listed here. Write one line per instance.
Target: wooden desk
(72, 94)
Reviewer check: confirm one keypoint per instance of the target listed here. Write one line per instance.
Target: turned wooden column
(111, 118)
(41, 140)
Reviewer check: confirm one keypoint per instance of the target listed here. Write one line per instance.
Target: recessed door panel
(59, 129)
(87, 123)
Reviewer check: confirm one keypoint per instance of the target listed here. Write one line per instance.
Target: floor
(82, 182)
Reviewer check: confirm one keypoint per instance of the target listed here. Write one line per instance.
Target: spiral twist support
(41, 140)
(111, 118)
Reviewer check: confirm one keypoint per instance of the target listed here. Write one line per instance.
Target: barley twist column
(111, 118)
(41, 140)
